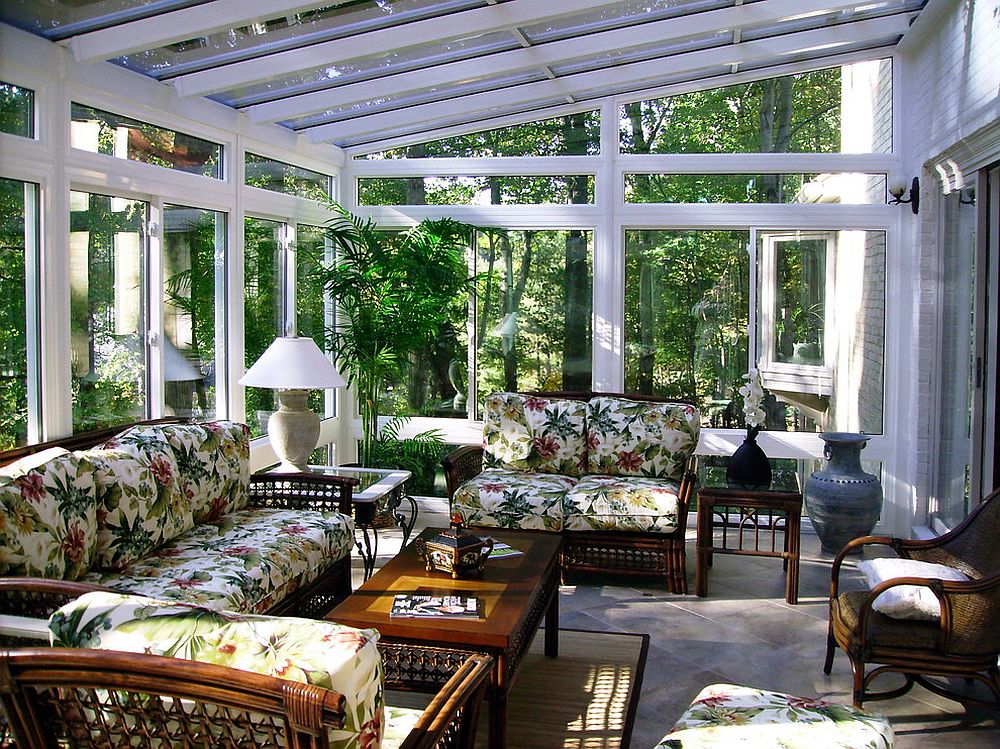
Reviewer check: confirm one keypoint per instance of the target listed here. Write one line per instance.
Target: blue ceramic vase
(842, 501)
(748, 467)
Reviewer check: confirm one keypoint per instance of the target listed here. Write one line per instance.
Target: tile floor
(743, 632)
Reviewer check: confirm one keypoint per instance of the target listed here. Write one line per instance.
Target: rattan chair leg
(831, 648)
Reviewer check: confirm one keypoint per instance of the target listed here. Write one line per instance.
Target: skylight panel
(59, 19)
(284, 33)
(381, 64)
(620, 57)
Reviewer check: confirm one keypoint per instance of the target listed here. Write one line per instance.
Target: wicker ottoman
(729, 715)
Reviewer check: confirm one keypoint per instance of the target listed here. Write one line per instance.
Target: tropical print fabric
(622, 504)
(535, 434)
(727, 715)
(507, 498)
(213, 461)
(244, 561)
(48, 520)
(399, 721)
(139, 504)
(316, 652)
(639, 438)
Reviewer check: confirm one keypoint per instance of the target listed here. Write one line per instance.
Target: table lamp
(293, 366)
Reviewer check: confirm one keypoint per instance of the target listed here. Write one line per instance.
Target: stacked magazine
(503, 551)
(436, 607)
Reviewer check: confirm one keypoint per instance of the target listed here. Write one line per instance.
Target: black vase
(748, 467)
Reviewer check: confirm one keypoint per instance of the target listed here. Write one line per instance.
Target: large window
(755, 188)
(104, 132)
(533, 310)
(194, 242)
(277, 176)
(263, 315)
(313, 310)
(819, 313)
(837, 110)
(18, 202)
(535, 190)
(107, 255)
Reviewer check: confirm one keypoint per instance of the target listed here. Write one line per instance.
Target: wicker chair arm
(851, 545)
(301, 491)
(38, 597)
(462, 464)
(454, 709)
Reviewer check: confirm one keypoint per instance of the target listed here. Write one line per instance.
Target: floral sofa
(325, 682)
(613, 474)
(730, 715)
(170, 511)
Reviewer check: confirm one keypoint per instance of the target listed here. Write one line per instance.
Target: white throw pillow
(907, 601)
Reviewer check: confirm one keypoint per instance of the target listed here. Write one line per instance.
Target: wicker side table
(750, 523)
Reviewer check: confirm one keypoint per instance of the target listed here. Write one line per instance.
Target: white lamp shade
(292, 363)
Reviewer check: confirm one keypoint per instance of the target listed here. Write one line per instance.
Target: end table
(761, 514)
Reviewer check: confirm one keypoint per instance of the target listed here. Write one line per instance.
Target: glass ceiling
(360, 71)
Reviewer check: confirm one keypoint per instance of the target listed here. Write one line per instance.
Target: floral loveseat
(614, 474)
(269, 682)
(170, 511)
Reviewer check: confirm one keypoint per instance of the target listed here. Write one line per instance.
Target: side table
(760, 514)
(375, 485)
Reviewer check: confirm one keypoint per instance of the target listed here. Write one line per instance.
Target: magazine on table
(436, 607)
(503, 551)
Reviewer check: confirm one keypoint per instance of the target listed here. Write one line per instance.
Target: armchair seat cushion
(321, 653)
(728, 715)
(507, 498)
(244, 561)
(885, 631)
(634, 503)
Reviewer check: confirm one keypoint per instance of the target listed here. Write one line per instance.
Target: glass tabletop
(373, 483)
(714, 477)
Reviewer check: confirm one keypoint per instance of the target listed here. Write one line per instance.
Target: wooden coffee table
(422, 653)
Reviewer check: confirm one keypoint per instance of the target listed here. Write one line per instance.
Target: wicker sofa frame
(625, 552)
(31, 596)
(50, 693)
(966, 641)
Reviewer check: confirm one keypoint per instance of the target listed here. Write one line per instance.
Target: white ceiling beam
(467, 23)
(643, 73)
(181, 25)
(542, 56)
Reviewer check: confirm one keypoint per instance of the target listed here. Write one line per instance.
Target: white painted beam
(180, 25)
(463, 24)
(543, 55)
(638, 74)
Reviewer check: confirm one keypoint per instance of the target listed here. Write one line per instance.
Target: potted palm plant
(393, 291)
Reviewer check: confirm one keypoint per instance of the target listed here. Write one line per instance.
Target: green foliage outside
(13, 322)
(16, 110)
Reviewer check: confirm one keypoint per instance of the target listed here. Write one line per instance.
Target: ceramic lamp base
(293, 430)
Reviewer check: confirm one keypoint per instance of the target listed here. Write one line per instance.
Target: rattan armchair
(57, 697)
(965, 643)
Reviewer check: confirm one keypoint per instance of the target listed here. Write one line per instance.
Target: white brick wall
(949, 70)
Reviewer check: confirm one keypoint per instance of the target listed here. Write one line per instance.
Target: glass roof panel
(384, 63)
(637, 54)
(624, 14)
(286, 32)
(820, 20)
(58, 19)
(385, 103)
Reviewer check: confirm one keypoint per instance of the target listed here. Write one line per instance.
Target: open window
(796, 317)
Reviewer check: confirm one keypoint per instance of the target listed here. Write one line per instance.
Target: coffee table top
(508, 590)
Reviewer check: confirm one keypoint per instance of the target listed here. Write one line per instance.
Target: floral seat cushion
(316, 652)
(48, 520)
(244, 561)
(728, 715)
(527, 433)
(634, 503)
(640, 438)
(507, 498)
(212, 458)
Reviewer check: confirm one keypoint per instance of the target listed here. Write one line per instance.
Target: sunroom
(662, 195)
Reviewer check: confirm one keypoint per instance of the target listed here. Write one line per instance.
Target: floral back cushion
(48, 520)
(328, 655)
(640, 438)
(213, 462)
(139, 504)
(547, 435)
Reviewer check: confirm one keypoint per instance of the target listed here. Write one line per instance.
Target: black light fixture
(967, 196)
(898, 189)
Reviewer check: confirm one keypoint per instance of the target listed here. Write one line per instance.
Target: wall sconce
(967, 196)
(897, 190)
